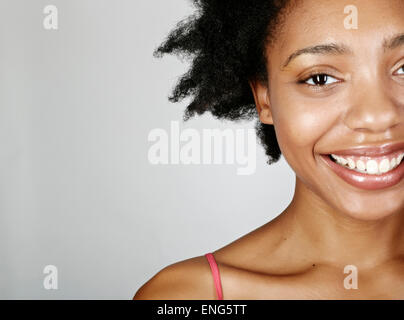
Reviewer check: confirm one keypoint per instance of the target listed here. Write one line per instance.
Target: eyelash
(316, 74)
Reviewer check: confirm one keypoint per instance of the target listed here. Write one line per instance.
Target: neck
(338, 239)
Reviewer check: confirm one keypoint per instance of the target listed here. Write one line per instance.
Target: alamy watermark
(351, 281)
(50, 22)
(50, 282)
(211, 146)
(351, 20)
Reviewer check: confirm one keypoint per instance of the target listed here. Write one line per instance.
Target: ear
(262, 103)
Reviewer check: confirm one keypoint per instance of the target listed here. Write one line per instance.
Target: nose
(376, 108)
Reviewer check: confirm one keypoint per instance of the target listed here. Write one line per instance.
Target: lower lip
(366, 181)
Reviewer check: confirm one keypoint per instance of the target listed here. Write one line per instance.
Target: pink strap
(216, 275)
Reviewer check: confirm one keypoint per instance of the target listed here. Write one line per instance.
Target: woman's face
(360, 103)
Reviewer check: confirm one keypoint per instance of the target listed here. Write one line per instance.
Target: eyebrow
(331, 49)
(335, 48)
(394, 42)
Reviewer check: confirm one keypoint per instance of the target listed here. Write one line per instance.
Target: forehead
(310, 22)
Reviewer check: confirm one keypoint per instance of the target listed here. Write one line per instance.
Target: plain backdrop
(77, 190)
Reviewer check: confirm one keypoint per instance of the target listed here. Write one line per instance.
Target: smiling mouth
(369, 165)
(368, 172)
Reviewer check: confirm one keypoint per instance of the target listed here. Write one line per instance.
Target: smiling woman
(330, 99)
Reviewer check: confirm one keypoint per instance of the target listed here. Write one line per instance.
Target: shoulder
(265, 263)
(189, 279)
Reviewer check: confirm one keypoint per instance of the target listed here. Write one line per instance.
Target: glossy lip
(366, 181)
(370, 151)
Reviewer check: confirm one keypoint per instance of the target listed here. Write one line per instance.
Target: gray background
(76, 188)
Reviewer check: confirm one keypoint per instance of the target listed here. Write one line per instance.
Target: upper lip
(379, 150)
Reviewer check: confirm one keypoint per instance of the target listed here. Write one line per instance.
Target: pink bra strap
(216, 275)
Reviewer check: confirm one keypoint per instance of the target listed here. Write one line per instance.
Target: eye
(401, 71)
(320, 79)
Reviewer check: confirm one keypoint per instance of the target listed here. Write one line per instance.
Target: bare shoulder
(264, 264)
(189, 279)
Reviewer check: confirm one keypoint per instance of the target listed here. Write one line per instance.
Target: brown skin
(329, 224)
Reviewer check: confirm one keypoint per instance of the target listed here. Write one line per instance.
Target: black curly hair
(226, 41)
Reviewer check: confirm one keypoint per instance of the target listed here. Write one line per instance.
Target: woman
(326, 81)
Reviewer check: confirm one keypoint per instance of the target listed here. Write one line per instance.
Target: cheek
(301, 124)
(397, 93)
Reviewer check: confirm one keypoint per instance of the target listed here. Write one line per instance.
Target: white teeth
(343, 161)
(351, 164)
(360, 165)
(370, 166)
(400, 157)
(384, 166)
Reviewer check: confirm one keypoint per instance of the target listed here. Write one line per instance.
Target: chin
(366, 212)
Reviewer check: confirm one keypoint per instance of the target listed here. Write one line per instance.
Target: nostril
(380, 118)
